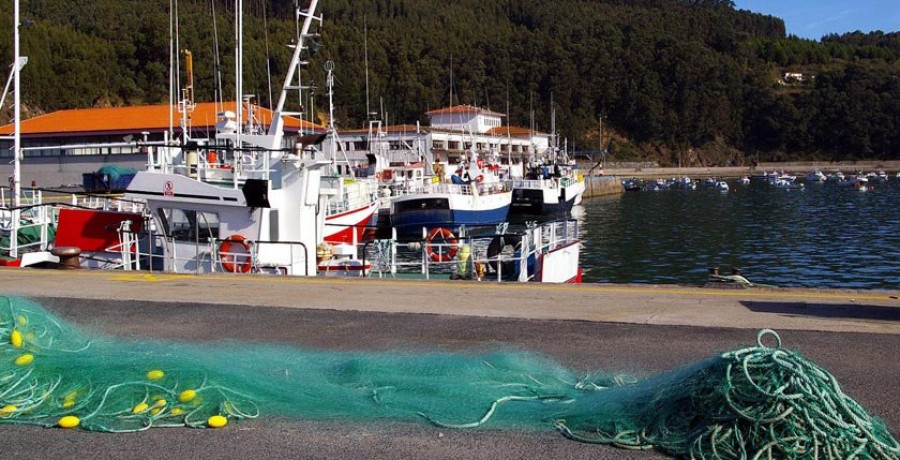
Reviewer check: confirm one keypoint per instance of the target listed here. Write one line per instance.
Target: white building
(455, 132)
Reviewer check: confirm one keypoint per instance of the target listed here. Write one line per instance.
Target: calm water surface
(824, 236)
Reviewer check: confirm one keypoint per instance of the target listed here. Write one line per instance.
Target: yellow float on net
(140, 408)
(69, 421)
(25, 359)
(187, 396)
(177, 411)
(155, 374)
(23, 321)
(15, 339)
(217, 421)
(8, 410)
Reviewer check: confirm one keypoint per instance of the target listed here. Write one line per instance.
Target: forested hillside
(678, 81)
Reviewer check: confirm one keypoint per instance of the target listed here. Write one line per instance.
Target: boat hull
(339, 228)
(540, 203)
(410, 213)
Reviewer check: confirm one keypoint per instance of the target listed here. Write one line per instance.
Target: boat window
(188, 225)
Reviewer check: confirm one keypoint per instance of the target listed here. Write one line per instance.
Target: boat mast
(239, 76)
(308, 14)
(17, 139)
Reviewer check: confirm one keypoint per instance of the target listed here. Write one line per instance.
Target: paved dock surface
(646, 329)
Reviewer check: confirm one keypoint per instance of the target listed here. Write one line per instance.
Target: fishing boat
(786, 184)
(816, 176)
(546, 252)
(352, 196)
(549, 187)
(546, 191)
(475, 196)
(633, 185)
(261, 214)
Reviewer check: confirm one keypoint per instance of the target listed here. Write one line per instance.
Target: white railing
(470, 255)
(533, 184)
(138, 251)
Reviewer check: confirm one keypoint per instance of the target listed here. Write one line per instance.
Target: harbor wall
(602, 185)
(63, 171)
(649, 170)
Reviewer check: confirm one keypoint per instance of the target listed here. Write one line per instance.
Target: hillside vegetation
(677, 81)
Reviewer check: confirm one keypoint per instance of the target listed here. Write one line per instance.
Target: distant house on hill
(794, 77)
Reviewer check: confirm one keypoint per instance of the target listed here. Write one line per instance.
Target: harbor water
(824, 236)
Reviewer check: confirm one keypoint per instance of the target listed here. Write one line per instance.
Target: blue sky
(815, 18)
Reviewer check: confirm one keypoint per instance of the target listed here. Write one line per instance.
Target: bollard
(69, 257)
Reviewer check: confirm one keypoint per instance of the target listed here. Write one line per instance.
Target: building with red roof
(59, 146)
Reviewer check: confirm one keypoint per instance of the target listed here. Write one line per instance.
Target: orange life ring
(479, 179)
(480, 163)
(231, 261)
(387, 174)
(447, 236)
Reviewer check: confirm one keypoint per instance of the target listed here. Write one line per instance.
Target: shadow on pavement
(826, 310)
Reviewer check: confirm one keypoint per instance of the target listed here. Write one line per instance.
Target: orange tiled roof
(135, 119)
(514, 131)
(464, 109)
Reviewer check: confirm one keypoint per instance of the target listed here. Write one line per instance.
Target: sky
(815, 18)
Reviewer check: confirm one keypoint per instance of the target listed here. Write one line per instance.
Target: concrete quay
(755, 308)
(637, 329)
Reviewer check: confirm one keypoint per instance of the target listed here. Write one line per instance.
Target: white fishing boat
(786, 184)
(475, 196)
(546, 191)
(548, 253)
(745, 180)
(262, 214)
(816, 176)
(352, 196)
(722, 186)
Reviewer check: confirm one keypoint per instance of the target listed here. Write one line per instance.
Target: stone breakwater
(651, 170)
(600, 186)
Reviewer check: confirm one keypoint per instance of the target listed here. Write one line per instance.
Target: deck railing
(471, 259)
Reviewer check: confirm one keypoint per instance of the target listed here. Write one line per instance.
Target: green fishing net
(114, 172)
(757, 402)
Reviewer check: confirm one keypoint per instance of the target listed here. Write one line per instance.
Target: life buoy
(479, 179)
(445, 236)
(232, 261)
(387, 174)
(480, 163)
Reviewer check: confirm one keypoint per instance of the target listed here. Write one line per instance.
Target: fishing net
(114, 172)
(756, 402)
